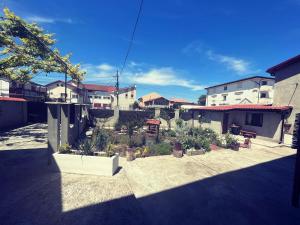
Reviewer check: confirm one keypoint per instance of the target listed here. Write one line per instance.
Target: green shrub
(161, 149)
(187, 142)
(64, 149)
(230, 141)
(202, 142)
(123, 139)
(86, 146)
(100, 139)
(138, 140)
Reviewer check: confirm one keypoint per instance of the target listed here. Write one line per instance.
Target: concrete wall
(240, 92)
(287, 89)
(271, 124)
(12, 114)
(212, 120)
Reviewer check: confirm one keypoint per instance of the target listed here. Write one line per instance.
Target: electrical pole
(65, 87)
(117, 87)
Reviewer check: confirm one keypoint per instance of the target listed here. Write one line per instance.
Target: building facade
(286, 88)
(252, 90)
(56, 92)
(153, 100)
(4, 87)
(101, 96)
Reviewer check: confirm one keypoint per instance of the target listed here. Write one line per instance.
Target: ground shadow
(256, 195)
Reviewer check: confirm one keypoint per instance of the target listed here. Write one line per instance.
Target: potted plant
(177, 150)
(231, 142)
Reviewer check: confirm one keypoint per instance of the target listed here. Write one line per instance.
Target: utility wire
(132, 36)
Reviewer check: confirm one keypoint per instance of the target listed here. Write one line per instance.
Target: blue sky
(180, 47)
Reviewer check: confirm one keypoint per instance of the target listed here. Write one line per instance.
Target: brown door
(225, 123)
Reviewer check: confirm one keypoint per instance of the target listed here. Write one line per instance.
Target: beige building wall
(56, 91)
(212, 120)
(287, 90)
(126, 100)
(241, 92)
(4, 87)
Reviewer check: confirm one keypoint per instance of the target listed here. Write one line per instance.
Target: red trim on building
(244, 107)
(12, 99)
(283, 64)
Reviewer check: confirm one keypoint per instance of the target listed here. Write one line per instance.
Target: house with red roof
(99, 96)
(286, 88)
(264, 121)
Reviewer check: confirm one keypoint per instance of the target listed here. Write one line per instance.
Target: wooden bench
(248, 134)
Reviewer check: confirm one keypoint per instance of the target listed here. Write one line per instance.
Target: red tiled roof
(179, 100)
(12, 99)
(153, 122)
(243, 107)
(283, 64)
(96, 87)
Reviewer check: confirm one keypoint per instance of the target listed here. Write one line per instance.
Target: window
(263, 95)
(225, 88)
(132, 95)
(254, 119)
(90, 96)
(62, 95)
(264, 82)
(224, 97)
(213, 104)
(126, 95)
(96, 96)
(74, 96)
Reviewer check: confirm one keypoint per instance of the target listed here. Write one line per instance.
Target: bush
(123, 139)
(230, 141)
(100, 139)
(202, 143)
(187, 142)
(161, 149)
(64, 149)
(138, 140)
(86, 146)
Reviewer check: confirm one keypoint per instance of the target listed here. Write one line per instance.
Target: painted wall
(55, 90)
(242, 92)
(271, 124)
(287, 89)
(126, 100)
(4, 87)
(12, 114)
(212, 120)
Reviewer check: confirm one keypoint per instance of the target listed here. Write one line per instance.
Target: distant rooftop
(248, 78)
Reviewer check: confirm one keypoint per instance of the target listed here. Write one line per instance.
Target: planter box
(191, 152)
(82, 164)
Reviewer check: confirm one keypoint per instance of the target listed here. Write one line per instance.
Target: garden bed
(84, 164)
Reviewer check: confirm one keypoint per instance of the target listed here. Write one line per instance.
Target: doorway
(225, 123)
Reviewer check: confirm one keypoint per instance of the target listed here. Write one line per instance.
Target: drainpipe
(281, 130)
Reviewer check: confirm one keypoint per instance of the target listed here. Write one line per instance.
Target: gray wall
(12, 114)
(287, 89)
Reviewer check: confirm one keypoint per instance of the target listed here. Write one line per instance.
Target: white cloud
(165, 76)
(105, 67)
(138, 73)
(40, 19)
(240, 66)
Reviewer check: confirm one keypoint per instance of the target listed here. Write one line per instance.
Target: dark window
(254, 119)
(126, 95)
(225, 88)
(264, 82)
(224, 97)
(263, 95)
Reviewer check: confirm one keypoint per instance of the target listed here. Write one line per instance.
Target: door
(225, 123)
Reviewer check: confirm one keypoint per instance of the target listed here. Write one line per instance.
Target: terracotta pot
(213, 147)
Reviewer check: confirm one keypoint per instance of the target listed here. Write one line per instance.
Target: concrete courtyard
(220, 187)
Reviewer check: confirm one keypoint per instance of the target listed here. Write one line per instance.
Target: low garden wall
(83, 164)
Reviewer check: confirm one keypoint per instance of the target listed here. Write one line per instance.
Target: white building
(56, 92)
(101, 96)
(4, 87)
(251, 90)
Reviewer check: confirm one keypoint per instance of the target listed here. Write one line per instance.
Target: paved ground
(221, 187)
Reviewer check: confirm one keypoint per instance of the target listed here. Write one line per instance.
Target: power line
(132, 36)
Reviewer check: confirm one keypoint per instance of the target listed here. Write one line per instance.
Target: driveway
(220, 187)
